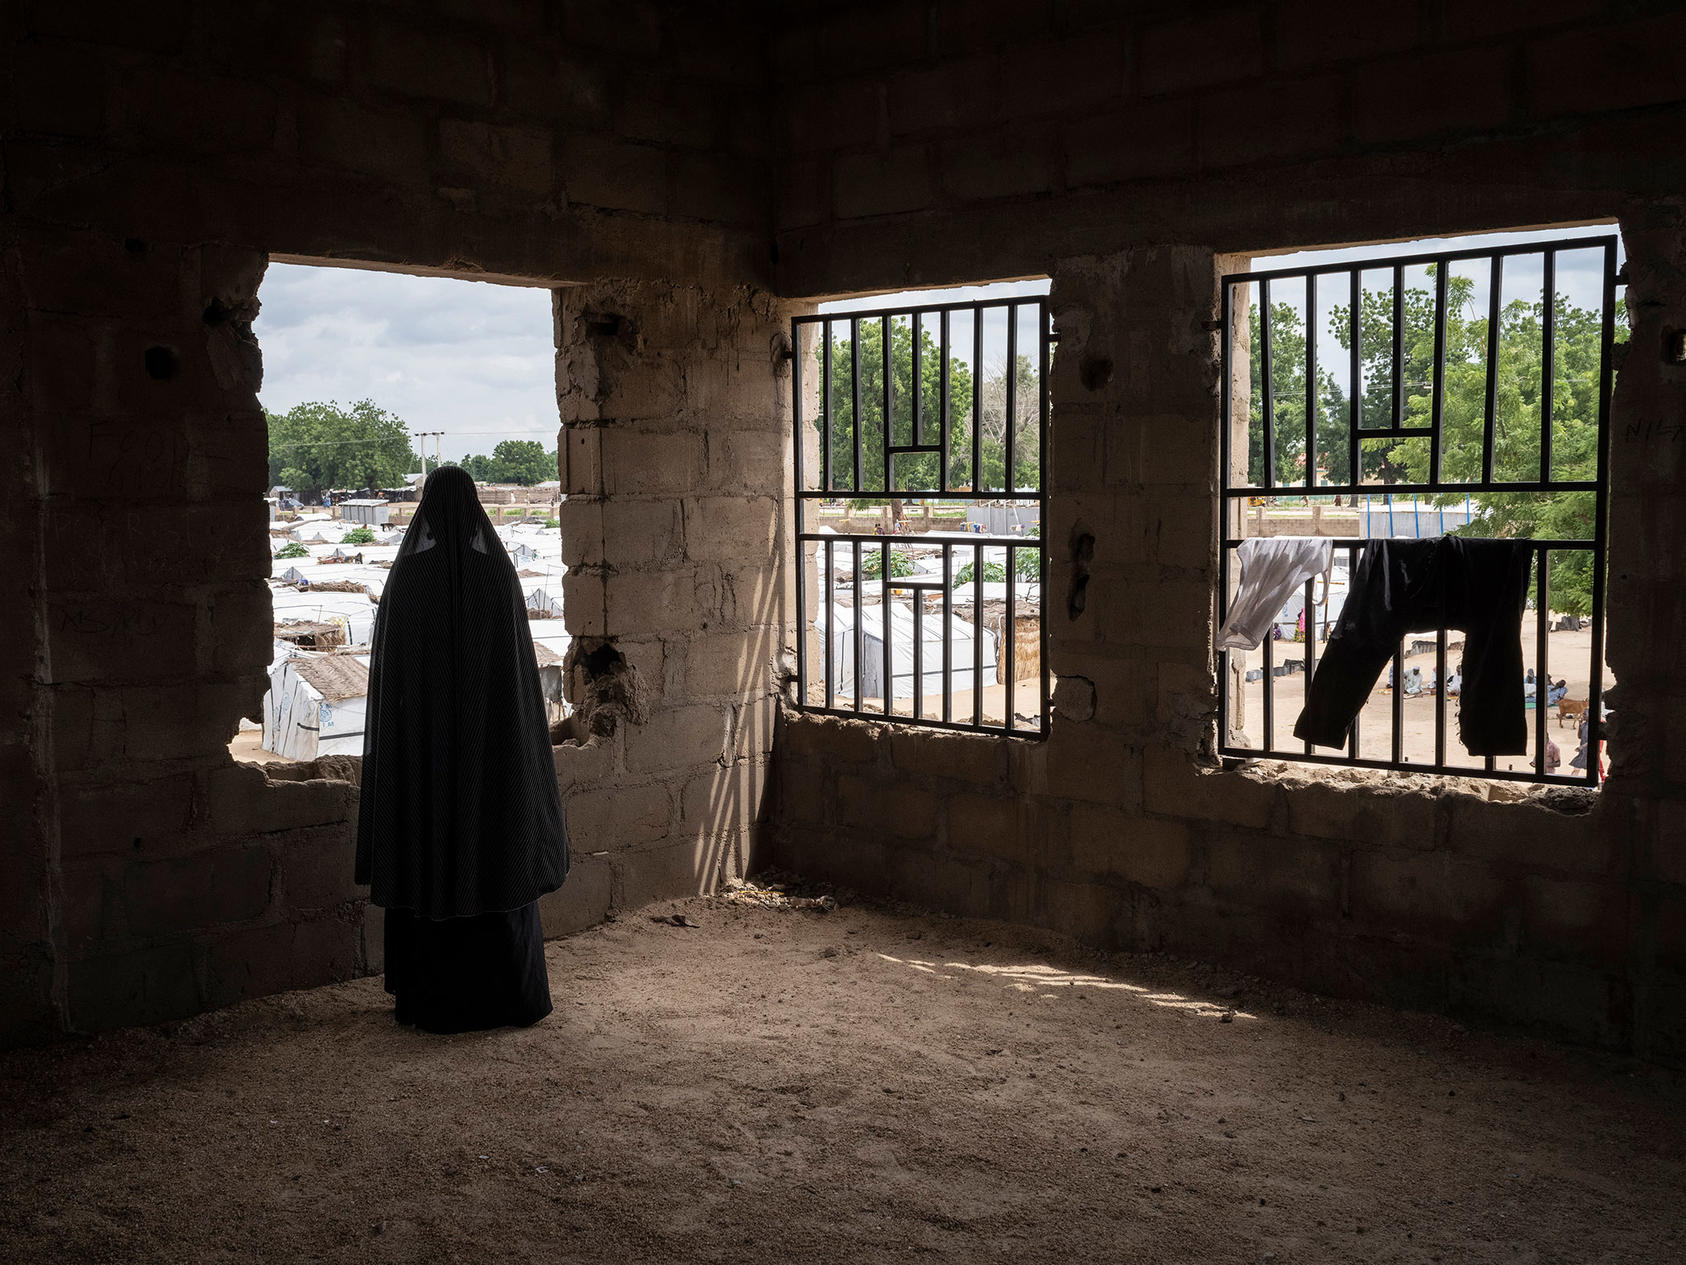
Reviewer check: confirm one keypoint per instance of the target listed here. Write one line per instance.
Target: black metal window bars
(1346, 278)
(962, 461)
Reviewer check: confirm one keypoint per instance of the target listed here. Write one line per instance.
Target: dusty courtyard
(864, 1085)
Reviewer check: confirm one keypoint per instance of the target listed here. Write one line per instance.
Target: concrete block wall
(1134, 154)
(540, 141)
(924, 134)
(675, 407)
(150, 163)
(673, 166)
(1561, 909)
(149, 876)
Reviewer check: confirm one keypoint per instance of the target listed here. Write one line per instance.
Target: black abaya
(460, 825)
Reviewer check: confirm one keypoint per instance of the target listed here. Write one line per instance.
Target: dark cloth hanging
(459, 817)
(1410, 586)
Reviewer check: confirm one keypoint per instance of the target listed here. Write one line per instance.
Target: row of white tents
(316, 698)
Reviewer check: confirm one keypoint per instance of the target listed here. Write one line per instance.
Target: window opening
(1463, 392)
(920, 433)
(437, 367)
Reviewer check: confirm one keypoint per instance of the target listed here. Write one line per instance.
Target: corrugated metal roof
(545, 655)
(335, 676)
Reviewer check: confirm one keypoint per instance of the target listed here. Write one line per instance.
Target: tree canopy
(1576, 366)
(523, 461)
(921, 472)
(319, 445)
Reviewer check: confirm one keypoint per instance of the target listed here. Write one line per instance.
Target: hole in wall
(162, 363)
(371, 379)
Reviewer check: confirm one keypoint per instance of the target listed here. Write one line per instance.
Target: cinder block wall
(703, 157)
(675, 405)
(1134, 161)
(150, 160)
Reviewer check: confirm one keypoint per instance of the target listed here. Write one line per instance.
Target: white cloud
(470, 358)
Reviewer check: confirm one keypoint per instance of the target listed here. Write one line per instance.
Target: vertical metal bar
(801, 547)
(1398, 703)
(1542, 670)
(948, 606)
(1012, 672)
(1548, 363)
(1042, 511)
(825, 408)
(1398, 345)
(888, 626)
(855, 388)
(918, 654)
(1267, 386)
(1226, 406)
(977, 400)
(1355, 367)
(943, 403)
(1492, 404)
(918, 381)
(1310, 640)
(1351, 570)
(977, 631)
(1440, 697)
(1311, 380)
(830, 625)
(1601, 540)
(889, 403)
(857, 646)
(1437, 412)
(1269, 679)
(1012, 402)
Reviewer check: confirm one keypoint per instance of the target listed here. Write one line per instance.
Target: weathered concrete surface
(675, 167)
(1563, 909)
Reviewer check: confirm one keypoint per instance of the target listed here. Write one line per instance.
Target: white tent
(352, 610)
(541, 600)
(316, 705)
(964, 637)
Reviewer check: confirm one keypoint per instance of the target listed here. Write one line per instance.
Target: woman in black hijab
(459, 827)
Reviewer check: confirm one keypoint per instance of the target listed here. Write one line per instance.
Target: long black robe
(460, 824)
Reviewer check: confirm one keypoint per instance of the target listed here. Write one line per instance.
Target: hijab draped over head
(459, 812)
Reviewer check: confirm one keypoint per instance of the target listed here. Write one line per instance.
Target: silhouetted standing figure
(459, 827)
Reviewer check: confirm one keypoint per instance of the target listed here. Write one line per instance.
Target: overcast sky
(470, 358)
(475, 359)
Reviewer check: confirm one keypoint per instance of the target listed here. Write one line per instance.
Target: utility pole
(438, 449)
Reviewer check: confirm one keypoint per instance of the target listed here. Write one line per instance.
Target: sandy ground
(864, 1085)
(1568, 654)
(248, 746)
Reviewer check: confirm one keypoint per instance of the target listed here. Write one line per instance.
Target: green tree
(1577, 349)
(913, 472)
(1517, 429)
(1027, 413)
(523, 461)
(1287, 358)
(319, 445)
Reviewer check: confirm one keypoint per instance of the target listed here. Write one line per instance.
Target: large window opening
(1379, 401)
(921, 422)
(371, 380)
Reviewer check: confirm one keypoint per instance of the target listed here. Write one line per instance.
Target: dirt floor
(862, 1085)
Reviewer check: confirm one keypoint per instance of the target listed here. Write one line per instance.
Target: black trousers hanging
(464, 974)
(1411, 586)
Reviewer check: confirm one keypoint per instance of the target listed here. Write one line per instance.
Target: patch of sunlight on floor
(1032, 977)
